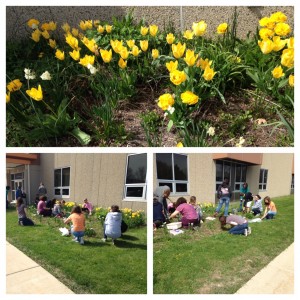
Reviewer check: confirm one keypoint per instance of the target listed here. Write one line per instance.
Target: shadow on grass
(129, 237)
(125, 244)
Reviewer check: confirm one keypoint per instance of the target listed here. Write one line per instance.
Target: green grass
(211, 261)
(95, 267)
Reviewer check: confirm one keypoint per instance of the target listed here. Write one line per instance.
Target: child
(188, 213)
(198, 209)
(23, 220)
(238, 223)
(247, 202)
(87, 206)
(112, 224)
(78, 220)
(270, 210)
(57, 211)
(158, 213)
(257, 206)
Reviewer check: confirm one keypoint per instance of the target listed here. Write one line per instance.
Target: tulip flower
(208, 74)
(189, 98)
(165, 101)
(60, 54)
(36, 94)
(277, 72)
(106, 55)
(14, 85)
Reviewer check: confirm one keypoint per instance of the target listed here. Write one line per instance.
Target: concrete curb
(276, 278)
(25, 276)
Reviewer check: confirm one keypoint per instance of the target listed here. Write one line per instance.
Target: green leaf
(282, 83)
(170, 125)
(82, 137)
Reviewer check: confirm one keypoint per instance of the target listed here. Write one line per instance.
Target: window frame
(262, 186)
(62, 187)
(173, 182)
(142, 185)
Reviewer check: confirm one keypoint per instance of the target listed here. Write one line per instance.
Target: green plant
(152, 125)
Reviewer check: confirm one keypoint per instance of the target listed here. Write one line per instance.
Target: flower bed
(75, 87)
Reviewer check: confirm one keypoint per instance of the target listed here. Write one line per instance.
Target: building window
(263, 179)
(136, 173)
(62, 182)
(172, 170)
(235, 172)
(17, 180)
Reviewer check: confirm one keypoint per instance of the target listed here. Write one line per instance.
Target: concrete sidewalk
(276, 278)
(24, 276)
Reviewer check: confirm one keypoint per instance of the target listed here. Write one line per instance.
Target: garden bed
(128, 84)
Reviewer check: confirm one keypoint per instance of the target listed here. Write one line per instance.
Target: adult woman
(270, 209)
(78, 220)
(243, 191)
(42, 209)
(163, 193)
(21, 209)
(187, 211)
(257, 206)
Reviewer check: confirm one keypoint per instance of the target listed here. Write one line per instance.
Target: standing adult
(224, 195)
(163, 193)
(42, 191)
(7, 191)
(19, 192)
(243, 191)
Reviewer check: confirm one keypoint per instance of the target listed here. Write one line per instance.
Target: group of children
(191, 213)
(113, 226)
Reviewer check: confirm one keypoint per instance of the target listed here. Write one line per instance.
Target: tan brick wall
(17, 16)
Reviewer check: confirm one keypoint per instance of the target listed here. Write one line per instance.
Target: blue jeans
(221, 202)
(77, 234)
(270, 215)
(238, 229)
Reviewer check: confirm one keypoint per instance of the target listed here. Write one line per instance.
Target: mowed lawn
(93, 268)
(211, 261)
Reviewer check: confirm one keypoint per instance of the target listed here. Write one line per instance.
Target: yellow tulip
(122, 63)
(189, 98)
(179, 145)
(135, 50)
(124, 53)
(222, 28)
(291, 80)
(72, 41)
(155, 53)
(75, 54)
(177, 77)
(278, 43)
(165, 101)
(265, 33)
(170, 38)
(75, 32)
(100, 29)
(172, 66)
(282, 29)
(66, 27)
(278, 17)
(203, 63)
(190, 58)
(130, 43)
(188, 34)
(106, 55)
(33, 23)
(208, 74)
(60, 54)
(36, 94)
(287, 57)
(14, 85)
(266, 46)
(87, 60)
(144, 30)
(178, 50)
(46, 35)
(7, 97)
(153, 30)
(290, 42)
(116, 45)
(277, 72)
(108, 28)
(199, 28)
(36, 35)
(144, 45)
(52, 43)
(51, 26)
(267, 22)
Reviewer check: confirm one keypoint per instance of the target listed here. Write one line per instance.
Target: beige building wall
(181, 17)
(280, 167)
(98, 177)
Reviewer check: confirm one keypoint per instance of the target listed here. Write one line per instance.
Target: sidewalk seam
(23, 270)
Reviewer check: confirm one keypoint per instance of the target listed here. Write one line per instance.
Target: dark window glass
(65, 191)
(227, 168)
(266, 176)
(244, 172)
(181, 188)
(164, 166)
(57, 192)
(219, 171)
(136, 168)
(65, 176)
(57, 177)
(134, 191)
(19, 176)
(261, 176)
(180, 167)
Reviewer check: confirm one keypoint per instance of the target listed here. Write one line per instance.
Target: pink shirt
(187, 211)
(41, 206)
(88, 205)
